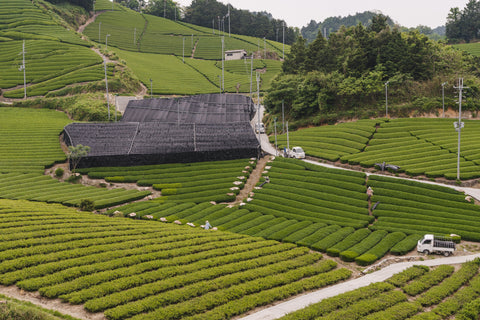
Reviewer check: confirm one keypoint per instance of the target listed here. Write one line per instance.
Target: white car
(296, 152)
(259, 128)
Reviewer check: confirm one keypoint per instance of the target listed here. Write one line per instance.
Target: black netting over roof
(207, 108)
(155, 140)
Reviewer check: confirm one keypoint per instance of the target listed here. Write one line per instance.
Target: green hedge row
(318, 235)
(348, 242)
(341, 301)
(369, 242)
(436, 294)
(380, 249)
(406, 245)
(428, 280)
(402, 278)
(332, 239)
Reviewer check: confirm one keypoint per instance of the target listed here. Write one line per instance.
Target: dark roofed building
(197, 128)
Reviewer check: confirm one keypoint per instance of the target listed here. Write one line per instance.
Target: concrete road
(303, 301)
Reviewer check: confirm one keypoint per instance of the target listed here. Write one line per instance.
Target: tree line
(86, 4)
(464, 25)
(218, 16)
(346, 74)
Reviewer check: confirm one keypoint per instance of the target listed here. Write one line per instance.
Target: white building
(235, 54)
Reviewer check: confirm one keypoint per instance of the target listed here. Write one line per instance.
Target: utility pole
(264, 48)
(443, 98)
(386, 99)
(106, 41)
(275, 128)
(164, 8)
(257, 75)
(251, 75)
(99, 27)
(228, 6)
(213, 25)
(22, 68)
(151, 88)
(223, 64)
(116, 107)
(283, 40)
(459, 125)
(106, 86)
(283, 117)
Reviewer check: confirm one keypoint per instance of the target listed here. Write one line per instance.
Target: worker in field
(207, 225)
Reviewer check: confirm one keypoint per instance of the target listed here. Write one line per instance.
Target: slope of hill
(149, 42)
(54, 55)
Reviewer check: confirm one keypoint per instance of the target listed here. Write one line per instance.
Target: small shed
(235, 54)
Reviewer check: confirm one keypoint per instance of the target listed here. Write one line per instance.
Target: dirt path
(76, 311)
(252, 180)
(90, 20)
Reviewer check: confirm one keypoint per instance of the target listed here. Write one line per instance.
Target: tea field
(419, 146)
(139, 270)
(416, 293)
(325, 209)
(155, 48)
(29, 143)
(54, 55)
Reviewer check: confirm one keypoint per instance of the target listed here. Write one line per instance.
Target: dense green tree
(349, 70)
(86, 4)
(295, 60)
(464, 24)
(164, 8)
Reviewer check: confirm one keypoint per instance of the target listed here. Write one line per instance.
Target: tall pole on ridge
(443, 98)
(386, 99)
(106, 86)
(459, 125)
(223, 64)
(228, 6)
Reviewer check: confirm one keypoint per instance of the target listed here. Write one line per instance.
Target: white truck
(434, 244)
(296, 152)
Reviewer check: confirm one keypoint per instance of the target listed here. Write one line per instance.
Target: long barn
(189, 129)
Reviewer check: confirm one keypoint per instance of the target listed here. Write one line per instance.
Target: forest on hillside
(346, 75)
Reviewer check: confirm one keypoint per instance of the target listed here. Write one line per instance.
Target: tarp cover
(202, 131)
(207, 108)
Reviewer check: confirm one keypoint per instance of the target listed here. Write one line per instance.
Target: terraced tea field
(161, 40)
(419, 146)
(416, 293)
(29, 143)
(54, 56)
(139, 270)
(325, 209)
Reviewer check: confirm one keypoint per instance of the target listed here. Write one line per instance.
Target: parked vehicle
(259, 128)
(434, 244)
(296, 152)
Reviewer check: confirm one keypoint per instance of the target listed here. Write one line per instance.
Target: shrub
(169, 191)
(59, 172)
(87, 205)
(406, 245)
(402, 278)
(161, 186)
